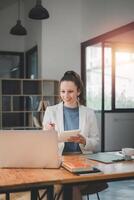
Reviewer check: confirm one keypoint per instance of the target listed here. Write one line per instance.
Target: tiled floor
(17, 196)
(121, 190)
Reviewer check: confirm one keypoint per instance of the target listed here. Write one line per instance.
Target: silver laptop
(29, 149)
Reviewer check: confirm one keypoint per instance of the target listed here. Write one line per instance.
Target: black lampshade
(38, 12)
(18, 29)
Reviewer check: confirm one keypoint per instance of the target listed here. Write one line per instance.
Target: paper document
(65, 135)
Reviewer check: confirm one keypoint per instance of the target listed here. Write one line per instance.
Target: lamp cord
(18, 9)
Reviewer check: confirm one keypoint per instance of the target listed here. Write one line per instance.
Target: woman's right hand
(50, 126)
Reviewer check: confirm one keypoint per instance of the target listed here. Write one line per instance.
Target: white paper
(65, 135)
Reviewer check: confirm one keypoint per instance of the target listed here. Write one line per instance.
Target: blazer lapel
(60, 117)
(81, 118)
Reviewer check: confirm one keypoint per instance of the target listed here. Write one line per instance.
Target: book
(78, 166)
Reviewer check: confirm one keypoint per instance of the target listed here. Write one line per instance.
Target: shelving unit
(23, 102)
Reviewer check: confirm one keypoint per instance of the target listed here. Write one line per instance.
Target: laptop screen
(29, 149)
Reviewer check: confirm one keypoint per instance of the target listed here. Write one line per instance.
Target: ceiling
(6, 3)
(127, 37)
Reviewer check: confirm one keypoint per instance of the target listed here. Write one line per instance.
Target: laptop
(29, 149)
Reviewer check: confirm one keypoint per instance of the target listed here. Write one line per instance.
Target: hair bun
(70, 73)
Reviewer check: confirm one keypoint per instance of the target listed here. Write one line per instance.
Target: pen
(118, 160)
(52, 124)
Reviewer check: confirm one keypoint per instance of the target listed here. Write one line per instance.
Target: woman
(70, 114)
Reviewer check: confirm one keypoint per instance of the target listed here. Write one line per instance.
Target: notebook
(106, 157)
(79, 166)
(29, 149)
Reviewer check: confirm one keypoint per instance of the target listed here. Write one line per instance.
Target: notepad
(105, 157)
(65, 135)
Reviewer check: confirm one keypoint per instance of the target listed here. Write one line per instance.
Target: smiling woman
(70, 115)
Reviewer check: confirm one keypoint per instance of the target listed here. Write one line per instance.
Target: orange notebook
(78, 166)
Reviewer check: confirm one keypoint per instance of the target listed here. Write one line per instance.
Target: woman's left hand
(78, 139)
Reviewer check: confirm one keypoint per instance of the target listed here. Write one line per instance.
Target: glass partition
(94, 81)
(107, 71)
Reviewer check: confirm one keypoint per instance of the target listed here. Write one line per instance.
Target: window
(11, 64)
(108, 70)
(124, 79)
(108, 78)
(93, 77)
(32, 63)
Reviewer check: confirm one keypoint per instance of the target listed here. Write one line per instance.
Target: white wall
(100, 16)
(8, 18)
(72, 22)
(34, 28)
(119, 131)
(61, 37)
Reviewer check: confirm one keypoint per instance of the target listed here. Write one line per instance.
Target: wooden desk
(114, 171)
(110, 172)
(15, 180)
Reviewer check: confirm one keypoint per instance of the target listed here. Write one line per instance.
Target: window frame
(102, 39)
(21, 61)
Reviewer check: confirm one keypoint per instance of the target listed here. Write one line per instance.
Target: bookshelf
(23, 102)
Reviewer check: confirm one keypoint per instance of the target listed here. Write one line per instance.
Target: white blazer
(87, 125)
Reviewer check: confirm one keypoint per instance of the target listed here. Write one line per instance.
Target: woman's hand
(78, 139)
(50, 126)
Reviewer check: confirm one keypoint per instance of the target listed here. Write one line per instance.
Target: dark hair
(75, 78)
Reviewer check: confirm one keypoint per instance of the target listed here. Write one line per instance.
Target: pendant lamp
(18, 29)
(38, 12)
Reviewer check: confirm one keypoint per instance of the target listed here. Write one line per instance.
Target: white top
(87, 125)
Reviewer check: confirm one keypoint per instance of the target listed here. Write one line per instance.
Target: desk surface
(112, 171)
(15, 178)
